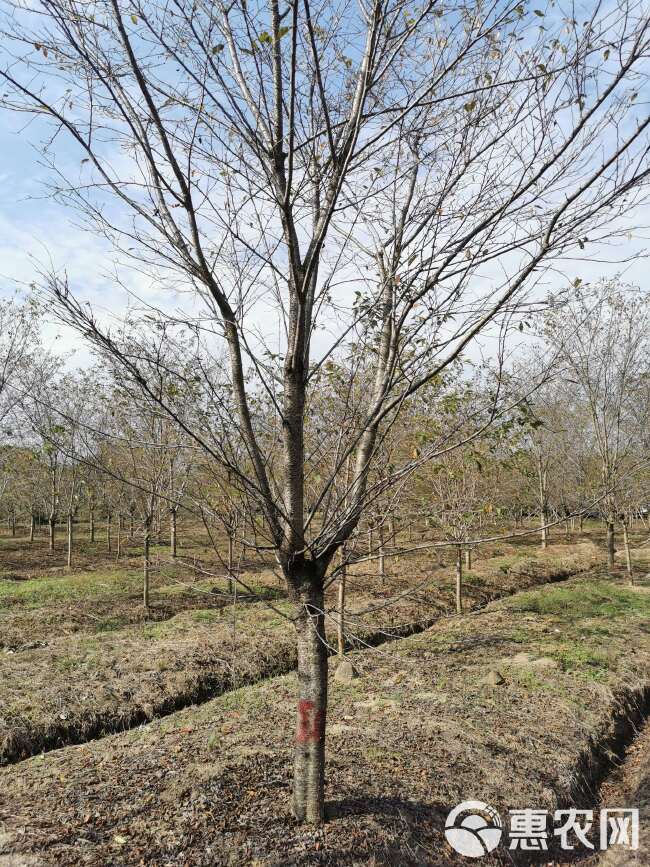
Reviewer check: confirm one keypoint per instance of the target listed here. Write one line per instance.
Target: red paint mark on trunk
(309, 722)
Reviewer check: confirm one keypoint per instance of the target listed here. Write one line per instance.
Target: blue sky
(35, 229)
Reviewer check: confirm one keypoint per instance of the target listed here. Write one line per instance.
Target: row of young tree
(565, 438)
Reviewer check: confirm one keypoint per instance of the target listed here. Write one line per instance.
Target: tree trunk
(628, 554)
(309, 757)
(108, 533)
(581, 522)
(32, 528)
(92, 525)
(70, 523)
(145, 565)
(13, 524)
(382, 569)
(543, 509)
(459, 580)
(231, 580)
(544, 533)
(119, 537)
(340, 622)
(611, 549)
(172, 532)
(468, 558)
(52, 523)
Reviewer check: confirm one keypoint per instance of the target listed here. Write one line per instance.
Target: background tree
(603, 341)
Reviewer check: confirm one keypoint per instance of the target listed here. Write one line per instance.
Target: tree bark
(543, 508)
(468, 558)
(309, 757)
(108, 533)
(70, 534)
(92, 525)
(145, 565)
(119, 537)
(382, 567)
(32, 527)
(611, 548)
(628, 554)
(340, 622)
(231, 580)
(52, 524)
(459, 580)
(172, 532)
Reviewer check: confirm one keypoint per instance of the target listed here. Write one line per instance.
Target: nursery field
(163, 736)
(324, 434)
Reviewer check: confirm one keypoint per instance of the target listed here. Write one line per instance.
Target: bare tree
(143, 446)
(19, 339)
(354, 171)
(605, 349)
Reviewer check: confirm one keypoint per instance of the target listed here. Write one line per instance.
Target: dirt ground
(420, 730)
(80, 667)
(630, 785)
(80, 656)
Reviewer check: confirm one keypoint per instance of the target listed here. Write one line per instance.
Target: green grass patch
(37, 592)
(583, 660)
(154, 631)
(532, 681)
(586, 601)
(111, 624)
(263, 591)
(67, 664)
(206, 615)
(519, 636)
(472, 578)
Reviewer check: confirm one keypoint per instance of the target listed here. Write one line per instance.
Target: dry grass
(114, 674)
(417, 733)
